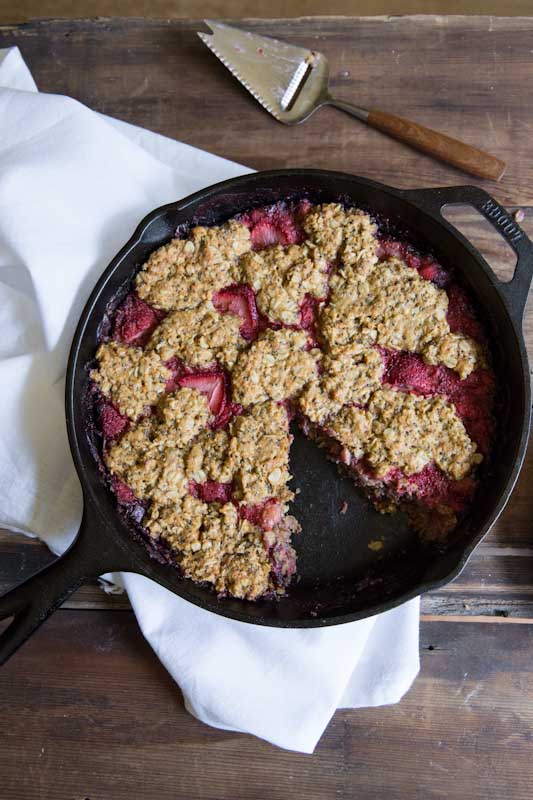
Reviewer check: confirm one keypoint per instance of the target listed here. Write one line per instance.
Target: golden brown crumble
(282, 276)
(213, 544)
(274, 367)
(347, 235)
(186, 272)
(135, 460)
(350, 373)
(404, 430)
(182, 415)
(393, 306)
(131, 379)
(258, 454)
(457, 351)
(198, 336)
(207, 458)
(150, 457)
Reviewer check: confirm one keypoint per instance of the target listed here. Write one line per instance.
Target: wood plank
(22, 10)
(88, 712)
(466, 721)
(414, 66)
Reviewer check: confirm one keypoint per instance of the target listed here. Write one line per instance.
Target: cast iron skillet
(340, 578)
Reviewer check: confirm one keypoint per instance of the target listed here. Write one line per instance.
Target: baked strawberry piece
(309, 310)
(277, 224)
(239, 300)
(123, 492)
(213, 383)
(266, 515)
(134, 321)
(461, 315)
(112, 422)
(211, 491)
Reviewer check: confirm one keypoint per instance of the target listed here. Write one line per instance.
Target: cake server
(292, 82)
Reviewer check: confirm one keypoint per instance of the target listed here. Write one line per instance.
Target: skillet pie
(288, 315)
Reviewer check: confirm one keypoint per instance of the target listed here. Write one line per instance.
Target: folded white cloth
(73, 185)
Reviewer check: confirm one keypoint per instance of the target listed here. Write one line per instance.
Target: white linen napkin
(73, 185)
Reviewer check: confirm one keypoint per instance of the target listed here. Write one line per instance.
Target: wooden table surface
(87, 711)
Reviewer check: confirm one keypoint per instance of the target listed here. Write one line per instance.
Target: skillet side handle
(93, 553)
(516, 290)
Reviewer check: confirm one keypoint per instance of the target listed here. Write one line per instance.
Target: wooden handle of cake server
(461, 155)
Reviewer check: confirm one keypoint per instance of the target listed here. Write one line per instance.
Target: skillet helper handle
(517, 289)
(439, 145)
(35, 599)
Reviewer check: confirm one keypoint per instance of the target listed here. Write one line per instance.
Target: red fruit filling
(278, 224)
(211, 491)
(264, 515)
(239, 300)
(427, 266)
(472, 397)
(123, 492)
(212, 382)
(112, 422)
(409, 373)
(461, 315)
(434, 487)
(134, 321)
(308, 318)
(430, 485)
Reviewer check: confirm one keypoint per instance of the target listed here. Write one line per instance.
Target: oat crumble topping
(182, 415)
(132, 379)
(407, 431)
(214, 545)
(350, 373)
(347, 235)
(456, 351)
(134, 459)
(393, 306)
(282, 276)
(186, 272)
(198, 336)
(150, 457)
(258, 454)
(207, 459)
(275, 367)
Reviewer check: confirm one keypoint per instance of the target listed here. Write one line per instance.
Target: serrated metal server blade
(264, 66)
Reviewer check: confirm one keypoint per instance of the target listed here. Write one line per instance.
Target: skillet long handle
(31, 602)
(439, 145)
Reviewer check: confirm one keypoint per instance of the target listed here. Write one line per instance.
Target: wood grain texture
(467, 78)
(88, 712)
(12, 11)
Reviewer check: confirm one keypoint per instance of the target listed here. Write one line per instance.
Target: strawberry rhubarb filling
(292, 312)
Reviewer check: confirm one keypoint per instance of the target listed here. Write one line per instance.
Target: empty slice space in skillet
(343, 536)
